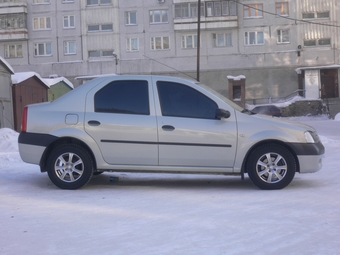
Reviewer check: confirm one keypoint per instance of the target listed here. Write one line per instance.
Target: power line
(285, 17)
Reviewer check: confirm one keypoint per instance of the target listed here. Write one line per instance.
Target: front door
(189, 133)
(329, 83)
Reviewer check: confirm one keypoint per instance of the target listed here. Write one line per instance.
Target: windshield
(228, 101)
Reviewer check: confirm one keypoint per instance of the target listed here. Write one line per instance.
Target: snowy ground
(170, 214)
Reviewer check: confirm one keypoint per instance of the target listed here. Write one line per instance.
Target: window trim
(7, 49)
(66, 43)
(45, 22)
(280, 36)
(249, 7)
(215, 40)
(153, 42)
(69, 21)
(127, 17)
(246, 43)
(282, 5)
(36, 49)
(161, 16)
(129, 44)
(194, 41)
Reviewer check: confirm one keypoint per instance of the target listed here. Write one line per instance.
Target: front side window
(13, 51)
(253, 11)
(179, 100)
(123, 97)
(281, 8)
(69, 47)
(160, 43)
(42, 49)
(69, 21)
(222, 40)
(283, 36)
(189, 41)
(131, 18)
(253, 38)
(41, 23)
(158, 16)
(132, 44)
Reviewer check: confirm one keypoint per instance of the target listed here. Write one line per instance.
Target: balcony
(13, 20)
(207, 23)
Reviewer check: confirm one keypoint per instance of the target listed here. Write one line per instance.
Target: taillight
(24, 120)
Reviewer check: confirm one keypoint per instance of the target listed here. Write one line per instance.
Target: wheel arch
(261, 143)
(61, 141)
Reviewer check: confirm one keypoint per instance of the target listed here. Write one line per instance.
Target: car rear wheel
(271, 166)
(69, 166)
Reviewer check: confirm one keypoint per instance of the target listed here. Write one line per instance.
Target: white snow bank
(8, 140)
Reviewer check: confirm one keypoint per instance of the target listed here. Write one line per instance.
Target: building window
(68, 1)
(69, 47)
(282, 36)
(132, 44)
(41, 1)
(69, 21)
(220, 8)
(42, 49)
(100, 53)
(131, 18)
(98, 2)
(158, 16)
(281, 8)
(315, 15)
(41, 23)
(189, 41)
(188, 10)
(160, 43)
(253, 38)
(13, 51)
(98, 28)
(222, 40)
(319, 42)
(253, 11)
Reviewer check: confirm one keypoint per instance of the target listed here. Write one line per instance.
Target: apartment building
(279, 46)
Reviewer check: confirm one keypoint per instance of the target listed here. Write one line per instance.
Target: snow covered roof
(53, 81)
(9, 67)
(298, 70)
(236, 78)
(23, 76)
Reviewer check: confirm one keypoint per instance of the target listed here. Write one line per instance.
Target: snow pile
(8, 140)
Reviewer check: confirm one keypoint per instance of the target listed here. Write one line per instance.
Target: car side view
(159, 124)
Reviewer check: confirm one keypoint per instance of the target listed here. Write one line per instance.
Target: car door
(120, 117)
(189, 133)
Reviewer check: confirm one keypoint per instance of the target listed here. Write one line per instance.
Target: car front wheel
(69, 166)
(271, 166)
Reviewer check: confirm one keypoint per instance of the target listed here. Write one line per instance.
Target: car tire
(271, 166)
(69, 166)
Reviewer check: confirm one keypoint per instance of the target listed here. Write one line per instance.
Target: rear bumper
(32, 146)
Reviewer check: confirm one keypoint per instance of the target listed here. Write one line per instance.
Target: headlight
(311, 137)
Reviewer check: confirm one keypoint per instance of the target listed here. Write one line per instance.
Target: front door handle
(93, 123)
(168, 128)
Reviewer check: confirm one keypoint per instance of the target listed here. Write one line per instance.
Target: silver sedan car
(161, 124)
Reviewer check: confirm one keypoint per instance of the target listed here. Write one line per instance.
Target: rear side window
(127, 97)
(178, 100)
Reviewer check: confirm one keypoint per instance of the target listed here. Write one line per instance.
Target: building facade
(282, 47)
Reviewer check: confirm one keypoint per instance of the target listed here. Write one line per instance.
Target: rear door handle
(93, 123)
(168, 128)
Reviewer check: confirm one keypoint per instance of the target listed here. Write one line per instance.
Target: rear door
(120, 117)
(189, 133)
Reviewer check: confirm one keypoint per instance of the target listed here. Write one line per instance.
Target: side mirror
(222, 114)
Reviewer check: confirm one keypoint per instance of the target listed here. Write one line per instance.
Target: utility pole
(198, 38)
